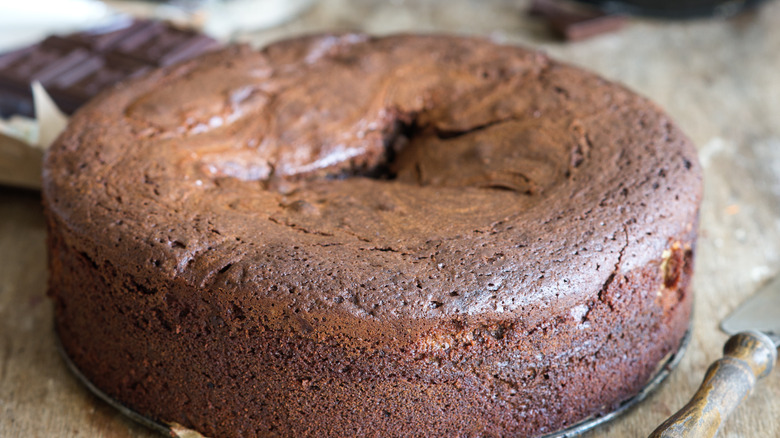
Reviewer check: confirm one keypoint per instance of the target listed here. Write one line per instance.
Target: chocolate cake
(342, 235)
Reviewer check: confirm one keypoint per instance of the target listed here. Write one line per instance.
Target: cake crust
(342, 234)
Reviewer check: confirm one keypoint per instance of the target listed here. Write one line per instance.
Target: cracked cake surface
(345, 234)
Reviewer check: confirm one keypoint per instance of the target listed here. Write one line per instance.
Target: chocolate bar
(76, 67)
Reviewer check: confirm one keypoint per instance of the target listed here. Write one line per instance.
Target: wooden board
(720, 79)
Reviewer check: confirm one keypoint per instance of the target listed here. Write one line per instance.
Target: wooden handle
(747, 357)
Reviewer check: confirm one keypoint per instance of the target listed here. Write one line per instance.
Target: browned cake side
(343, 235)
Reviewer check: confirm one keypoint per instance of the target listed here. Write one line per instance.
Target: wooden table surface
(720, 79)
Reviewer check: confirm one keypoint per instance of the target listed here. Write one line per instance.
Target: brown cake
(356, 236)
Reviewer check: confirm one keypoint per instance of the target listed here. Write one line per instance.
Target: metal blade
(760, 312)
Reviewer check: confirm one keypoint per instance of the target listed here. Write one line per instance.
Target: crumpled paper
(24, 140)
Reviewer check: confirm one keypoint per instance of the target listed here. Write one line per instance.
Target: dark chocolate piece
(74, 68)
(575, 22)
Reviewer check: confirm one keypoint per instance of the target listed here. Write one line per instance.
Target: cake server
(749, 355)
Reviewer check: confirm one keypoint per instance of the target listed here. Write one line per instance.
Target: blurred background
(714, 66)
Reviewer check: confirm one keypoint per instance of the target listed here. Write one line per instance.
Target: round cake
(342, 235)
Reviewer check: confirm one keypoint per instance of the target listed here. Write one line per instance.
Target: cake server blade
(749, 355)
(760, 312)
